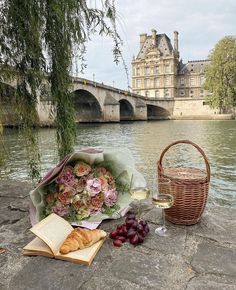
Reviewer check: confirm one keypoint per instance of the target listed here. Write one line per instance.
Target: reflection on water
(147, 140)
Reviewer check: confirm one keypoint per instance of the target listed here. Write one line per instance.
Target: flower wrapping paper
(124, 169)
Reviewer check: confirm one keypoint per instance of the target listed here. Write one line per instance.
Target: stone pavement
(196, 257)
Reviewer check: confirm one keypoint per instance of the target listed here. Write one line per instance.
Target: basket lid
(185, 173)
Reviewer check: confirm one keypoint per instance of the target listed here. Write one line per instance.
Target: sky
(200, 23)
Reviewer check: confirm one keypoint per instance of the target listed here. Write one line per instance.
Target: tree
(39, 39)
(220, 76)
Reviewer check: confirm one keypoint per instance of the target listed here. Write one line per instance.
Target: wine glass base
(161, 231)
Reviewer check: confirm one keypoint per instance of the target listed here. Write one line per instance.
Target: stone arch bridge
(96, 102)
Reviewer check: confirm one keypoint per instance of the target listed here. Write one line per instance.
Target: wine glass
(162, 199)
(139, 193)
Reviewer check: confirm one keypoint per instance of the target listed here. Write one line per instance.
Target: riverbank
(195, 257)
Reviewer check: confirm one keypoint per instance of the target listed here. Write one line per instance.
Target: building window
(167, 80)
(202, 79)
(166, 93)
(138, 83)
(156, 70)
(137, 71)
(133, 83)
(157, 93)
(147, 70)
(157, 82)
(192, 82)
(146, 83)
(182, 83)
(147, 94)
(167, 68)
(182, 93)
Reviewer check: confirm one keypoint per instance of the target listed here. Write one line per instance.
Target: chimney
(143, 37)
(154, 34)
(176, 45)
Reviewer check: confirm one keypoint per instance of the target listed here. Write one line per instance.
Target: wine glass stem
(163, 219)
(139, 210)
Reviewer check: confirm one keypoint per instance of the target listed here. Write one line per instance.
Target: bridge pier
(111, 110)
(140, 111)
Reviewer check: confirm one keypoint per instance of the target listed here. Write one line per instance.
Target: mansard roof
(193, 66)
(162, 44)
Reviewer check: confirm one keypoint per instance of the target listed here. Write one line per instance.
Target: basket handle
(208, 170)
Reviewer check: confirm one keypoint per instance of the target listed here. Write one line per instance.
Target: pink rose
(81, 169)
(93, 186)
(110, 197)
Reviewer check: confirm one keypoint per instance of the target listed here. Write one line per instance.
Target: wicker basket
(189, 187)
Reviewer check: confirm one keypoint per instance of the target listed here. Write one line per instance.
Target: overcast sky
(200, 23)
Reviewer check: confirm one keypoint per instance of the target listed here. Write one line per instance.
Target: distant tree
(220, 76)
(41, 38)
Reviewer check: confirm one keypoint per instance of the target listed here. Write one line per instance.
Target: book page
(84, 256)
(37, 246)
(53, 230)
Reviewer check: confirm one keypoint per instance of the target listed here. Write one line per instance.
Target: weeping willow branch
(40, 38)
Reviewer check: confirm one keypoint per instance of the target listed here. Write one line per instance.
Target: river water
(147, 140)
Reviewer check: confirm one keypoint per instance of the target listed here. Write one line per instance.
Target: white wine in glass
(163, 199)
(139, 193)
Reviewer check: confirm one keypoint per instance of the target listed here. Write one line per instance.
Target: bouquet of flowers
(90, 185)
(81, 191)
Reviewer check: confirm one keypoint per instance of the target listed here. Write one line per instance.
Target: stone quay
(199, 257)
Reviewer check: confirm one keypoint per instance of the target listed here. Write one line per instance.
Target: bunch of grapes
(131, 230)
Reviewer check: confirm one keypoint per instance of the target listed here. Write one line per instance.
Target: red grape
(139, 228)
(140, 238)
(146, 228)
(125, 231)
(121, 238)
(129, 223)
(134, 240)
(143, 223)
(117, 243)
(113, 234)
(135, 224)
(131, 233)
(119, 227)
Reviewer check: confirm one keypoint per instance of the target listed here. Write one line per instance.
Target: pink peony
(67, 177)
(61, 211)
(93, 186)
(110, 197)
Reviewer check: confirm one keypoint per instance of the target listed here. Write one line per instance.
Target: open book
(51, 233)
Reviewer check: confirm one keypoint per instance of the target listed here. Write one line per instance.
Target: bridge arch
(157, 113)
(126, 110)
(87, 107)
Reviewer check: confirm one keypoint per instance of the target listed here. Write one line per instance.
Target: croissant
(80, 239)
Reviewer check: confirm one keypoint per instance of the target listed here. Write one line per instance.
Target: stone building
(158, 72)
